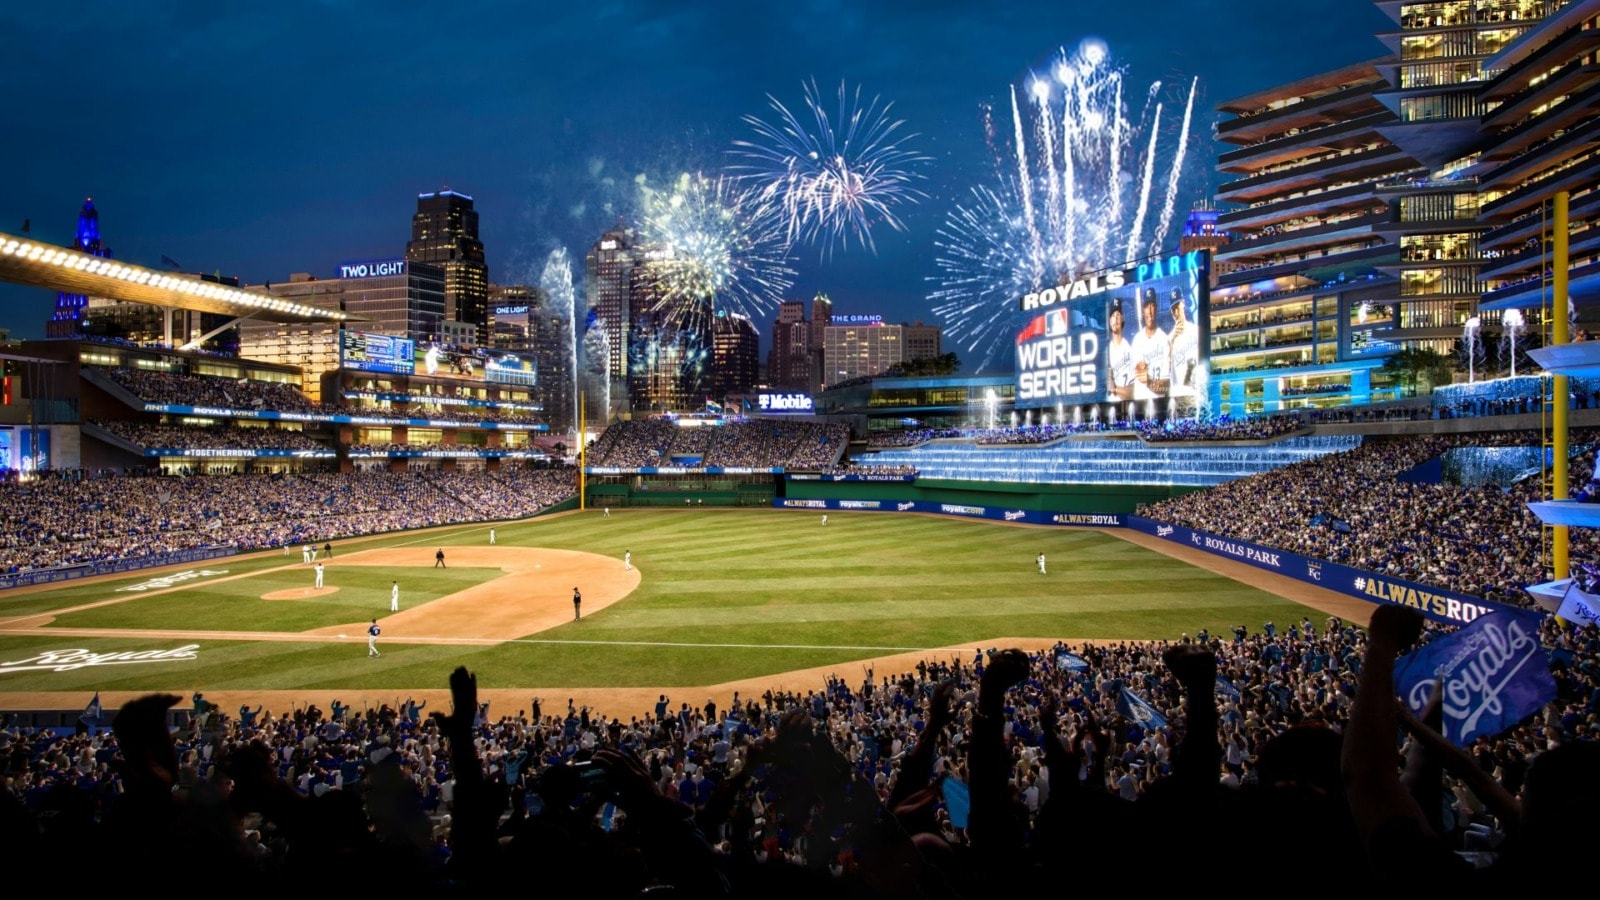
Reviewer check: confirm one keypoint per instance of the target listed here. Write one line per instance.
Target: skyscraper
(669, 340)
(608, 284)
(789, 365)
(821, 318)
(444, 233)
(68, 317)
(522, 320)
(735, 354)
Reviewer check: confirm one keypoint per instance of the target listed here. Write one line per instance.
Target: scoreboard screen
(1131, 335)
(376, 352)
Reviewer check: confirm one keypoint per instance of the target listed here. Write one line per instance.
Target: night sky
(264, 139)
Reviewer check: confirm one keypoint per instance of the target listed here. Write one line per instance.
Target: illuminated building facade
(735, 355)
(789, 361)
(444, 233)
(521, 320)
(392, 296)
(610, 274)
(67, 320)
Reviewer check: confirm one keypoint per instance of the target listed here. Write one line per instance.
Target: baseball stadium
(1276, 549)
(243, 567)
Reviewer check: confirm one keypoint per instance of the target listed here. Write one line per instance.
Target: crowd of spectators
(752, 443)
(1255, 428)
(1044, 434)
(858, 468)
(49, 521)
(963, 777)
(1409, 412)
(1016, 434)
(245, 394)
(205, 390)
(910, 437)
(220, 437)
(1468, 539)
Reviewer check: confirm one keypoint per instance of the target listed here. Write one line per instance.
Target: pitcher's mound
(300, 593)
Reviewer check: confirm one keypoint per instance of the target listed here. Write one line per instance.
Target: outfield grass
(726, 595)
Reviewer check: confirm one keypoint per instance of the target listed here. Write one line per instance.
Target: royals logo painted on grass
(68, 660)
(167, 581)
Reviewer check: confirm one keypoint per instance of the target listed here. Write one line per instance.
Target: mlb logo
(1057, 322)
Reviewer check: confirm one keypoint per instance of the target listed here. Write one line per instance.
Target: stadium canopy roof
(37, 264)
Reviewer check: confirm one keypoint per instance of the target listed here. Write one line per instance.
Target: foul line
(293, 637)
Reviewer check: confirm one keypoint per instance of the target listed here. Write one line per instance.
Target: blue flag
(1225, 688)
(957, 801)
(1493, 674)
(1133, 707)
(91, 713)
(1071, 661)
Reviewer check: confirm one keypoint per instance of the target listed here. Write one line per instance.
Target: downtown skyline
(260, 143)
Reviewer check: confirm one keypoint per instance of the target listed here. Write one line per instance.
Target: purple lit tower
(67, 320)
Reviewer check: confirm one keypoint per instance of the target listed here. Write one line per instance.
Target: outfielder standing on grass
(394, 597)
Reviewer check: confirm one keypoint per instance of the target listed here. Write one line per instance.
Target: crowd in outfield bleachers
(1255, 428)
(1470, 539)
(972, 774)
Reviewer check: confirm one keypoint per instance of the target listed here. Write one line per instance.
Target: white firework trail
(556, 282)
(1171, 204)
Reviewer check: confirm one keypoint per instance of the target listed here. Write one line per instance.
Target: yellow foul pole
(583, 456)
(1561, 391)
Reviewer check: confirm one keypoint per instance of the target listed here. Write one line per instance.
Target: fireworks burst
(1074, 193)
(713, 244)
(833, 184)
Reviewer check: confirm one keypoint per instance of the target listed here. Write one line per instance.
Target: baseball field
(714, 601)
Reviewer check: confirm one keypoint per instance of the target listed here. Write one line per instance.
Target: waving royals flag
(1493, 674)
(1225, 688)
(1579, 606)
(92, 713)
(1132, 706)
(1071, 662)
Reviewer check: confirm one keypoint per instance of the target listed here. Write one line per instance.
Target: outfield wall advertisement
(964, 510)
(1437, 604)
